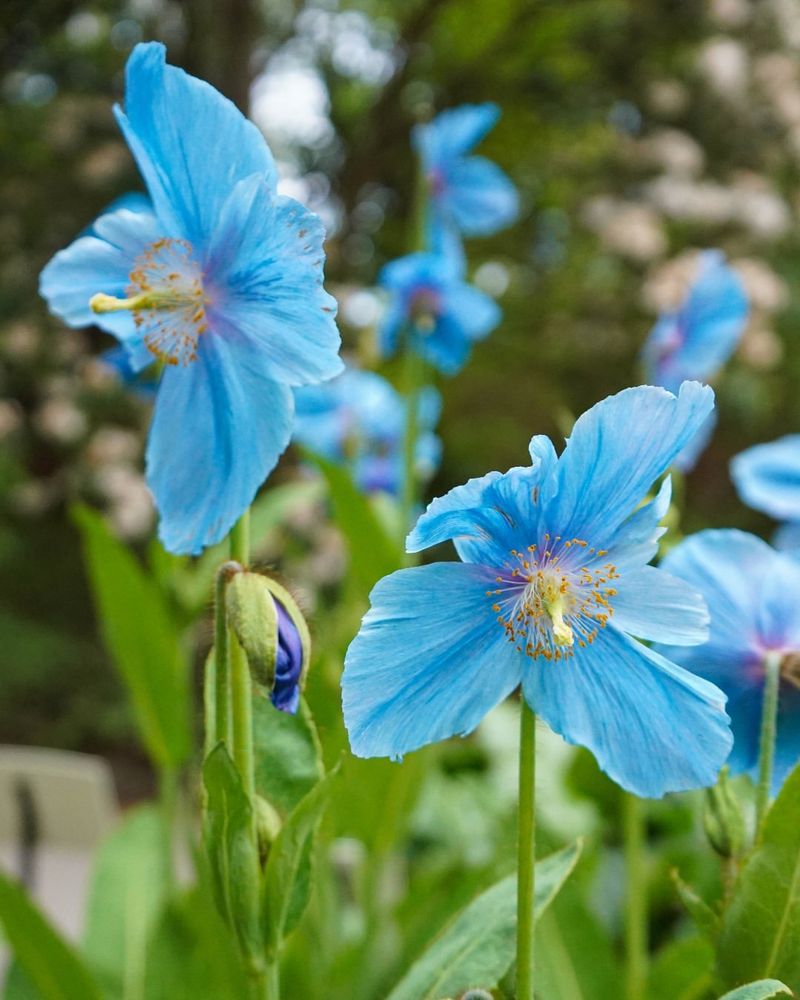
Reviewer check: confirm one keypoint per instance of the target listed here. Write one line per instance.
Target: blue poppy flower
(753, 597)
(438, 313)
(359, 419)
(467, 194)
(220, 279)
(767, 477)
(696, 340)
(552, 585)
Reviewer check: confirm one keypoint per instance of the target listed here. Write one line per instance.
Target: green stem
(766, 746)
(222, 680)
(240, 540)
(266, 985)
(526, 859)
(636, 903)
(168, 798)
(413, 373)
(241, 693)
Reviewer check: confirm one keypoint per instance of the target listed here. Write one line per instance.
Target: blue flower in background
(220, 280)
(469, 195)
(552, 586)
(696, 340)
(435, 309)
(359, 419)
(767, 477)
(753, 597)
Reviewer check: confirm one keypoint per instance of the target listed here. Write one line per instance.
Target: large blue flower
(767, 478)
(552, 586)
(469, 195)
(218, 278)
(359, 419)
(696, 340)
(753, 596)
(435, 310)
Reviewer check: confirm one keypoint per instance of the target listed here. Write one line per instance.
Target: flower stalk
(766, 745)
(526, 858)
(636, 902)
(240, 682)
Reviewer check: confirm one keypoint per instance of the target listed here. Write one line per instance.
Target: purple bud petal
(288, 665)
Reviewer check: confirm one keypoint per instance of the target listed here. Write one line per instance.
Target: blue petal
(101, 262)
(687, 458)
(787, 739)
(636, 541)
(653, 727)
(616, 451)
(264, 279)
(480, 197)
(219, 427)
(471, 310)
(768, 477)
(445, 347)
(192, 144)
(653, 605)
(429, 662)
(454, 132)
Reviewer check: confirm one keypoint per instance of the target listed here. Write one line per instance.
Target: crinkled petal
(454, 132)
(264, 281)
(101, 262)
(767, 477)
(653, 605)
(428, 663)
(484, 517)
(653, 727)
(479, 197)
(687, 457)
(192, 144)
(636, 541)
(219, 427)
(617, 449)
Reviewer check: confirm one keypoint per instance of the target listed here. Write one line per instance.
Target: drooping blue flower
(696, 340)
(753, 597)
(220, 279)
(467, 195)
(552, 586)
(767, 477)
(359, 419)
(437, 313)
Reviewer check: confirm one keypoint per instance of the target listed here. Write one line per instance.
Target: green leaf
(286, 882)
(682, 970)
(704, 917)
(127, 894)
(140, 636)
(373, 553)
(229, 836)
(761, 924)
(762, 990)
(477, 947)
(287, 753)
(47, 961)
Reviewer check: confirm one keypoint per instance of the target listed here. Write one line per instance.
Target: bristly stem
(413, 372)
(221, 677)
(526, 857)
(241, 692)
(766, 746)
(636, 899)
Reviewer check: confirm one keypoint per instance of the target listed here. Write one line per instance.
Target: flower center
(553, 597)
(423, 310)
(167, 299)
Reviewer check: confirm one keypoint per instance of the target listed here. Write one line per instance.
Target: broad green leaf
(229, 836)
(761, 924)
(128, 890)
(142, 639)
(477, 947)
(286, 882)
(373, 553)
(704, 917)
(762, 990)
(287, 753)
(193, 954)
(682, 970)
(51, 965)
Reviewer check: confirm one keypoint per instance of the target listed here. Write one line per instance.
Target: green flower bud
(268, 826)
(723, 819)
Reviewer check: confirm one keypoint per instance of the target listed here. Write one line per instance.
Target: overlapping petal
(479, 197)
(767, 477)
(653, 605)
(454, 132)
(653, 727)
(192, 144)
(219, 427)
(423, 667)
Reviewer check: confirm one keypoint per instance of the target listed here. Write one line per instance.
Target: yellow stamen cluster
(167, 299)
(551, 598)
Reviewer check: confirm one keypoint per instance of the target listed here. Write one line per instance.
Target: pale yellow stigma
(553, 602)
(102, 303)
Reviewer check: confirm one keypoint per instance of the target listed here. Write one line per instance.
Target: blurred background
(635, 132)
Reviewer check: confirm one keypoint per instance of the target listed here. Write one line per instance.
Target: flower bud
(723, 820)
(273, 633)
(268, 826)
